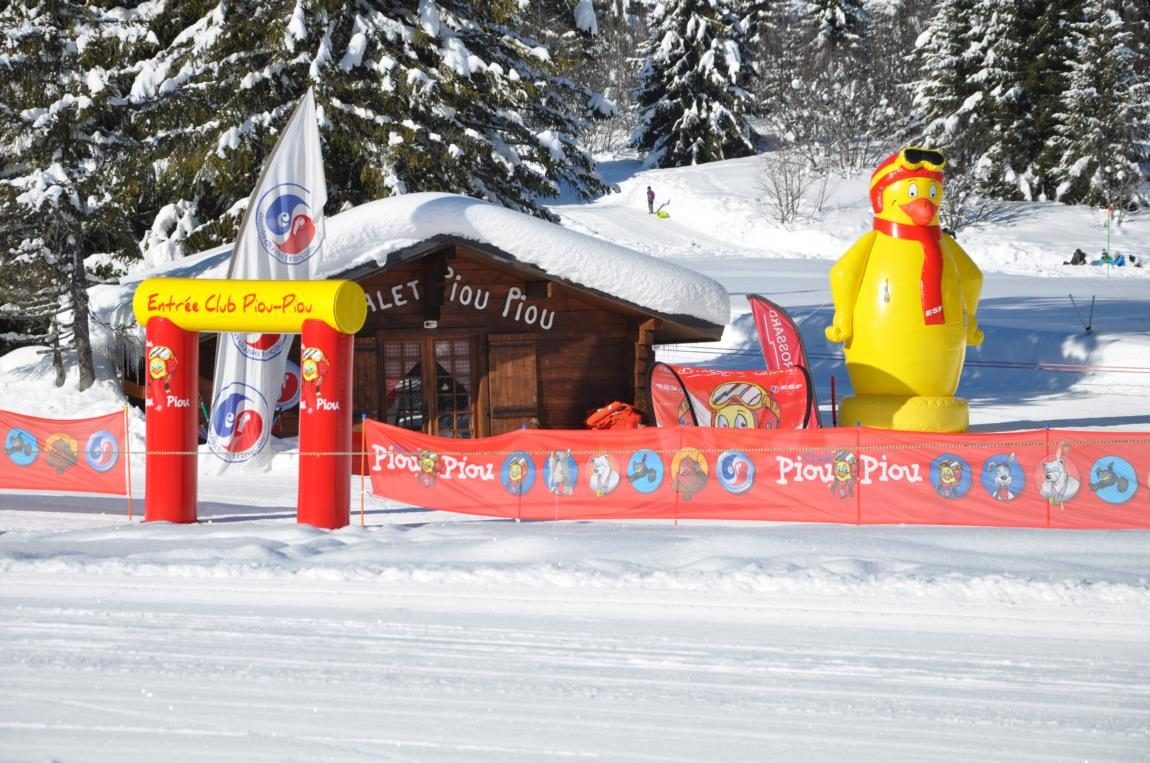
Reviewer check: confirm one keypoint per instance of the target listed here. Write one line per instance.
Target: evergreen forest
(131, 127)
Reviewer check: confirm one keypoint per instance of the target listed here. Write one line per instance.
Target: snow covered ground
(423, 636)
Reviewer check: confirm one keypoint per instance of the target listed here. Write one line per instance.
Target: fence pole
(128, 460)
(858, 484)
(1046, 455)
(834, 404)
(362, 469)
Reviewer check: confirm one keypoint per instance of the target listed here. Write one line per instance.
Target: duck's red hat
(911, 162)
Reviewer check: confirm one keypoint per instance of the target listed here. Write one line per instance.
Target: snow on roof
(369, 233)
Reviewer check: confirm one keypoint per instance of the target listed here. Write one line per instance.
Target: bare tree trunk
(57, 356)
(80, 327)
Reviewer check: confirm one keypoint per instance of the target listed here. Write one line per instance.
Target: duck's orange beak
(921, 211)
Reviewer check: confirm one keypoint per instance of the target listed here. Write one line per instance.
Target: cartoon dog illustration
(604, 476)
(1058, 484)
(1002, 478)
(560, 479)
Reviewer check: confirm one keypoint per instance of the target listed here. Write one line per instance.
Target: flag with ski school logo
(70, 455)
(281, 238)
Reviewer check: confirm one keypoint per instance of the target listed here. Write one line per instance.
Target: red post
(173, 358)
(325, 426)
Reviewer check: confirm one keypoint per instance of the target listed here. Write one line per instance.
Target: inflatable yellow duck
(905, 297)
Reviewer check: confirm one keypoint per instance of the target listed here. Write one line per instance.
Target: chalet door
(429, 385)
(453, 407)
(513, 382)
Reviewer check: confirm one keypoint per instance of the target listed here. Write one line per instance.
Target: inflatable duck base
(912, 413)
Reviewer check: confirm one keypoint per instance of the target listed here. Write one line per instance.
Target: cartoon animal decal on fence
(1059, 485)
(1002, 478)
(561, 472)
(604, 474)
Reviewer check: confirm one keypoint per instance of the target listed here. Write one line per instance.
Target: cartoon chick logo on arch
(314, 367)
(162, 365)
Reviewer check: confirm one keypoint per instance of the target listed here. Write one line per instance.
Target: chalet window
(454, 387)
(426, 384)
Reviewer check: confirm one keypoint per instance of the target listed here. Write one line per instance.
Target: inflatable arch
(175, 310)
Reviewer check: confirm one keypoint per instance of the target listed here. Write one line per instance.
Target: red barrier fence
(76, 455)
(1039, 478)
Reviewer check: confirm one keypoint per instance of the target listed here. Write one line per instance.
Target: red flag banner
(1043, 478)
(743, 399)
(74, 455)
(782, 343)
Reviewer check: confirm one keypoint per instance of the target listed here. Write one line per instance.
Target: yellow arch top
(271, 307)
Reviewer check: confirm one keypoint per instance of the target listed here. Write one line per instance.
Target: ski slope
(424, 636)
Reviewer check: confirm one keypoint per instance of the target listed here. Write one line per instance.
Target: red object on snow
(615, 415)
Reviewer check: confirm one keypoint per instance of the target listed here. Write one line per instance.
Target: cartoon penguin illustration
(905, 297)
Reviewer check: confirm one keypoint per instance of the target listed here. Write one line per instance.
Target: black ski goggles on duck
(913, 158)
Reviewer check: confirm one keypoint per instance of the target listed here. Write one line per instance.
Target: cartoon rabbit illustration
(560, 479)
(1002, 478)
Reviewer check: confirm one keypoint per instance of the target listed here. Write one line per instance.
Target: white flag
(281, 238)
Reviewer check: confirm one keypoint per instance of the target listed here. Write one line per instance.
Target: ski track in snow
(274, 670)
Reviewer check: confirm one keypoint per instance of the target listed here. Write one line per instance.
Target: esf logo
(260, 346)
(287, 224)
(102, 452)
(289, 390)
(239, 427)
(735, 471)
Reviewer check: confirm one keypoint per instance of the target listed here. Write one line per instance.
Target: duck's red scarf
(929, 236)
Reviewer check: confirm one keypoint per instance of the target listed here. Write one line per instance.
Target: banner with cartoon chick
(74, 455)
(740, 399)
(1044, 478)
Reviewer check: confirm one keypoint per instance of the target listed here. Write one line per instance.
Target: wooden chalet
(466, 339)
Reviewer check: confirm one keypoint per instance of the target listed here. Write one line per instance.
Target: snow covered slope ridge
(1010, 566)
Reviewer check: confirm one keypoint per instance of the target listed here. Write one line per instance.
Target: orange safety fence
(1037, 478)
(72, 455)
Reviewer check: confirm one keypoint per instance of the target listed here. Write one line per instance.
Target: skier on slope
(650, 201)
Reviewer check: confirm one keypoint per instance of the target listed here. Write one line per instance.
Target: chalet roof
(675, 328)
